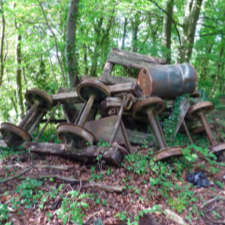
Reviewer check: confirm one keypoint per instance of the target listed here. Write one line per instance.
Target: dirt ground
(41, 203)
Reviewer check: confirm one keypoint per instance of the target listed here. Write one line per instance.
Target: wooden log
(110, 155)
(111, 102)
(127, 59)
(106, 78)
(132, 59)
(130, 87)
(65, 96)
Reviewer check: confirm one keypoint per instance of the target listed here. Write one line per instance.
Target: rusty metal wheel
(13, 135)
(139, 110)
(73, 136)
(45, 101)
(93, 88)
(201, 129)
(201, 107)
(195, 94)
(167, 153)
(218, 148)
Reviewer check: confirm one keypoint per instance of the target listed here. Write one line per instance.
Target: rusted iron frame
(156, 130)
(113, 136)
(207, 128)
(29, 114)
(187, 131)
(86, 111)
(47, 122)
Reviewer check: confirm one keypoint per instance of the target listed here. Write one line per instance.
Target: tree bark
(192, 12)
(219, 64)
(205, 60)
(124, 32)
(100, 41)
(2, 46)
(18, 57)
(71, 61)
(167, 29)
(135, 26)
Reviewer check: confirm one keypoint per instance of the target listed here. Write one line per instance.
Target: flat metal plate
(103, 129)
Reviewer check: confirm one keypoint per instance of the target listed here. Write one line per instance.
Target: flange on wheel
(13, 135)
(40, 102)
(167, 153)
(74, 137)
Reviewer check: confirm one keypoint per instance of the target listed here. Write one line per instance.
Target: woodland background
(49, 44)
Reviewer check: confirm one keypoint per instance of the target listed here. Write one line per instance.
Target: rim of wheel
(139, 110)
(96, 88)
(200, 107)
(13, 135)
(44, 99)
(167, 153)
(74, 136)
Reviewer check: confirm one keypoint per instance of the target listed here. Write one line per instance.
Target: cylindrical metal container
(167, 81)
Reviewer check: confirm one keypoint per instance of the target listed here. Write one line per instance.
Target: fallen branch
(54, 167)
(175, 217)
(218, 197)
(104, 187)
(79, 181)
(16, 176)
(36, 166)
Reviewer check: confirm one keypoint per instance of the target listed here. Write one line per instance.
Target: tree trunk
(135, 26)
(94, 63)
(219, 64)
(71, 61)
(204, 61)
(19, 93)
(2, 47)
(167, 29)
(192, 12)
(124, 32)
(100, 40)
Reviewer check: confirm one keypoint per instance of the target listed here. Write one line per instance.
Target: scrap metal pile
(142, 100)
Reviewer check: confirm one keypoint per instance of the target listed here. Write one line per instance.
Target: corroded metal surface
(74, 136)
(200, 129)
(201, 107)
(167, 153)
(103, 128)
(13, 135)
(146, 110)
(140, 108)
(199, 110)
(44, 100)
(167, 81)
(93, 88)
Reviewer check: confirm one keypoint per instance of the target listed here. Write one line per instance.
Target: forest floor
(152, 192)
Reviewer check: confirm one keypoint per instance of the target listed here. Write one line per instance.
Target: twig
(104, 187)
(66, 179)
(173, 216)
(16, 176)
(218, 197)
(174, 22)
(54, 167)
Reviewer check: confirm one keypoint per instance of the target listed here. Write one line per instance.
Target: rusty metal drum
(167, 81)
